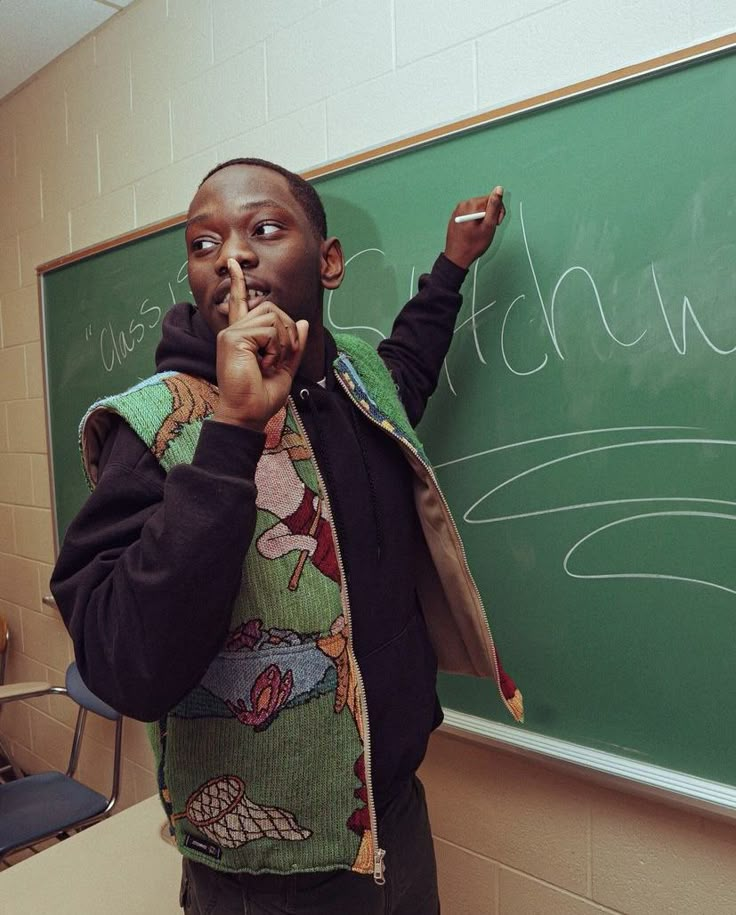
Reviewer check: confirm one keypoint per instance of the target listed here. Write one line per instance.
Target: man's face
(249, 213)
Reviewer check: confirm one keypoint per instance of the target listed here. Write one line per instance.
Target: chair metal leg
(8, 766)
(77, 742)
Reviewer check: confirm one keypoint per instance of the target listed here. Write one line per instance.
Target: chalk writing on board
(687, 309)
(116, 344)
(722, 516)
(548, 312)
(547, 305)
(472, 515)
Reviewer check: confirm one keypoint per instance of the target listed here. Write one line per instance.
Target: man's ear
(332, 263)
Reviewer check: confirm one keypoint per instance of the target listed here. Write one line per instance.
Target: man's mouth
(221, 298)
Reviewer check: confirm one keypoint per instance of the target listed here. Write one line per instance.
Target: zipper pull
(379, 870)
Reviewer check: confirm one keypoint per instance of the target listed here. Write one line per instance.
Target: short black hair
(303, 192)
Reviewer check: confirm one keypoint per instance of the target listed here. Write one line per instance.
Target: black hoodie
(150, 566)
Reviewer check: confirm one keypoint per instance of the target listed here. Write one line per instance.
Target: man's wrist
(228, 449)
(449, 274)
(230, 419)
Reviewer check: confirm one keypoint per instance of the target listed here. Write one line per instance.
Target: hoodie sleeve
(149, 568)
(422, 334)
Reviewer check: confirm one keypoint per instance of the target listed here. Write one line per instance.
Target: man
(253, 575)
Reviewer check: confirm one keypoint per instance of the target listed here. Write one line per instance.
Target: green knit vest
(261, 767)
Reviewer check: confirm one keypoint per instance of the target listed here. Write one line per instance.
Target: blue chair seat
(39, 805)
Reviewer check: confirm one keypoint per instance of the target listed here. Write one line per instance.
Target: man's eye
(203, 244)
(267, 228)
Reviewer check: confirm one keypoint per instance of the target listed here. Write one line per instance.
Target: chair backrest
(83, 696)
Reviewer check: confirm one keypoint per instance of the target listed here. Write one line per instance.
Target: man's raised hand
(466, 241)
(258, 354)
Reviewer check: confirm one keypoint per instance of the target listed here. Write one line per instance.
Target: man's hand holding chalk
(472, 227)
(469, 217)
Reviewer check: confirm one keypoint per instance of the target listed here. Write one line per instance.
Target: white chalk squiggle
(470, 518)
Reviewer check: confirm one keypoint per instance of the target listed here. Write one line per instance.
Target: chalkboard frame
(619, 772)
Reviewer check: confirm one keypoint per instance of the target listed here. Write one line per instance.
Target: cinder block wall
(516, 838)
(115, 134)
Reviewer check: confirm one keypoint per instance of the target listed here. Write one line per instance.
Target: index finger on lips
(238, 307)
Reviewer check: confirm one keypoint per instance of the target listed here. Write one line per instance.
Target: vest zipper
(407, 446)
(378, 853)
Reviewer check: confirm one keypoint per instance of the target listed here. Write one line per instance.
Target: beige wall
(515, 838)
(114, 135)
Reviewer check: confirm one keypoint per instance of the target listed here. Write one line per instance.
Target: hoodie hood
(187, 344)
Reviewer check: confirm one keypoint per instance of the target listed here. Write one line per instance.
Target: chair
(51, 804)
(8, 768)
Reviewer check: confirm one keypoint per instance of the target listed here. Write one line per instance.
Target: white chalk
(468, 217)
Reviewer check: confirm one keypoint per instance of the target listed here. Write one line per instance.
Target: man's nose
(238, 248)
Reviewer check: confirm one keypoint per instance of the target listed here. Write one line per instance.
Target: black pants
(410, 888)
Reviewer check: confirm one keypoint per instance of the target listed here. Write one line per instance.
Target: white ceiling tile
(34, 32)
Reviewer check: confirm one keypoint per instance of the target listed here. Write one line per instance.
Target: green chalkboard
(584, 427)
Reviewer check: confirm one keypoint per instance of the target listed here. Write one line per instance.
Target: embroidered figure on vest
(360, 820)
(224, 813)
(335, 646)
(259, 674)
(193, 399)
(268, 695)
(302, 524)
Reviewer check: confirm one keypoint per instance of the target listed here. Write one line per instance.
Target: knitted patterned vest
(262, 767)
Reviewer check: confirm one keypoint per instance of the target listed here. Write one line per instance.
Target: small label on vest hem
(203, 846)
